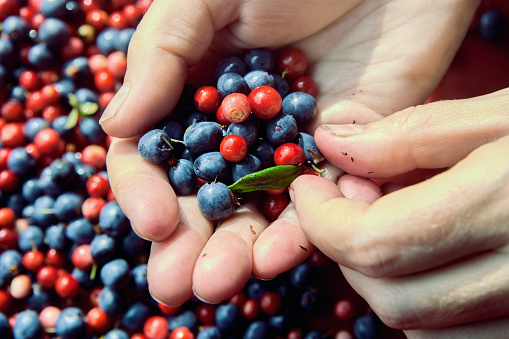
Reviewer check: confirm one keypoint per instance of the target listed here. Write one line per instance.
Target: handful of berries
(241, 135)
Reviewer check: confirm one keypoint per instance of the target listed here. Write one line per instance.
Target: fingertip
(359, 189)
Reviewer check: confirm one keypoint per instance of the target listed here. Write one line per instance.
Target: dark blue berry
(307, 142)
(33, 126)
(43, 211)
(256, 330)
(16, 28)
(55, 238)
(116, 333)
(203, 137)
(116, 273)
(84, 278)
(76, 69)
(4, 326)
(314, 335)
(91, 130)
(491, 25)
(366, 327)
(84, 95)
(123, 39)
(302, 106)
(53, 32)
(173, 127)
(6, 52)
(133, 244)
(230, 83)
(30, 238)
(71, 323)
(112, 301)
(139, 274)
(106, 39)
(10, 264)
(211, 166)
(186, 318)
(102, 248)
(53, 8)
(281, 129)
(20, 161)
(263, 150)
(231, 64)
(247, 129)
(258, 77)
(259, 58)
(155, 146)
(227, 316)
(27, 326)
(196, 117)
(39, 299)
(80, 231)
(281, 85)
(40, 56)
(68, 206)
(215, 201)
(182, 177)
(112, 220)
(135, 316)
(209, 333)
(248, 165)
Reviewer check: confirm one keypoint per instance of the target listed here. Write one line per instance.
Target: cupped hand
(429, 255)
(368, 59)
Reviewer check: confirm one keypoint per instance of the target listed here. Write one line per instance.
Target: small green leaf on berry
(73, 100)
(267, 179)
(88, 108)
(72, 118)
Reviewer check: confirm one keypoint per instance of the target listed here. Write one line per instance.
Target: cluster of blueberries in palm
(248, 120)
(70, 264)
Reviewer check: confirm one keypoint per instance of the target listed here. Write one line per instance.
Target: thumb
(171, 37)
(434, 135)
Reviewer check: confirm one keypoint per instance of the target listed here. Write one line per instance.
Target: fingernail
(115, 103)
(291, 193)
(343, 130)
(202, 299)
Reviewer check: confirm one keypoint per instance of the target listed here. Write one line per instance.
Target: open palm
(369, 59)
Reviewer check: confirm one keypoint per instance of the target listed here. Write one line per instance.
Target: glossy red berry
(97, 320)
(207, 99)
(104, 81)
(97, 18)
(8, 180)
(236, 107)
(4, 154)
(265, 102)
(55, 258)
(47, 140)
(47, 276)
(117, 20)
(82, 257)
(50, 95)
(292, 63)
(95, 156)
(270, 302)
(344, 309)
(250, 309)
(12, 110)
(11, 135)
(116, 64)
(206, 313)
(29, 80)
(273, 205)
(33, 260)
(67, 286)
(92, 207)
(156, 327)
(233, 148)
(238, 299)
(289, 154)
(7, 217)
(5, 299)
(182, 333)
(305, 84)
(167, 310)
(221, 119)
(97, 186)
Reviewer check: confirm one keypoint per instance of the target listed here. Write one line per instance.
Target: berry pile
(240, 134)
(70, 265)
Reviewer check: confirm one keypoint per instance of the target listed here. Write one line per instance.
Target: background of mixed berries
(70, 266)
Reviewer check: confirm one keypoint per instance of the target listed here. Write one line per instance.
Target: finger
(171, 37)
(435, 135)
(155, 216)
(492, 328)
(281, 246)
(469, 290)
(453, 214)
(226, 262)
(171, 263)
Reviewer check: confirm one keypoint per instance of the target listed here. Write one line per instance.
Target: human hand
(353, 41)
(432, 255)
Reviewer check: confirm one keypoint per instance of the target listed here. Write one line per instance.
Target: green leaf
(88, 108)
(73, 100)
(267, 179)
(72, 119)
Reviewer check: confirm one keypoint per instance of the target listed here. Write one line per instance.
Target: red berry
(33, 260)
(21, 286)
(265, 102)
(47, 140)
(4, 300)
(11, 135)
(50, 112)
(289, 154)
(104, 81)
(48, 317)
(29, 80)
(221, 119)
(93, 296)
(82, 257)
(132, 15)
(67, 286)
(8, 180)
(92, 207)
(292, 62)
(105, 98)
(8, 239)
(294, 334)
(238, 299)
(74, 48)
(270, 302)
(117, 20)
(167, 310)
(181, 333)
(206, 313)
(344, 309)
(97, 186)
(7, 217)
(47, 276)
(55, 258)
(97, 320)
(116, 64)
(49, 94)
(97, 18)
(97, 62)
(236, 107)
(8, 8)
(4, 154)
(277, 191)
(233, 148)
(305, 84)
(250, 309)
(156, 327)
(95, 156)
(12, 110)
(207, 99)
(273, 205)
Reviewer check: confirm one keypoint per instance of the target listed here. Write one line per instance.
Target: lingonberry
(304, 84)
(205, 313)
(265, 102)
(97, 186)
(47, 140)
(221, 118)
(12, 111)
(233, 148)
(344, 309)
(104, 81)
(92, 207)
(33, 260)
(11, 135)
(47, 276)
(289, 154)
(82, 258)
(250, 309)
(97, 320)
(21, 286)
(7, 217)
(156, 327)
(67, 286)
(29, 80)
(181, 332)
(292, 62)
(207, 99)
(55, 258)
(273, 205)
(270, 302)
(48, 317)
(8, 180)
(236, 107)
(167, 310)
(95, 156)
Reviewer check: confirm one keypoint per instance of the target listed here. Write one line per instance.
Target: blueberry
(258, 77)
(41, 57)
(106, 39)
(60, 126)
(256, 330)
(27, 326)
(263, 150)
(246, 129)
(47, 185)
(139, 274)
(53, 32)
(186, 318)
(133, 244)
(173, 127)
(491, 25)
(155, 146)
(43, 211)
(91, 130)
(116, 333)
(366, 327)
(10, 264)
(300, 276)
(16, 28)
(102, 248)
(55, 238)
(83, 172)
(39, 299)
(203, 137)
(20, 161)
(209, 333)
(71, 323)
(6, 52)
(19, 94)
(196, 117)
(4, 326)
(33, 126)
(30, 238)
(112, 220)
(123, 39)
(307, 142)
(314, 335)
(182, 177)
(68, 206)
(309, 300)
(259, 58)
(281, 85)
(281, 129)
(302, 106)
(62, 172)
(255, 289)
(80, 231)
(76, 69)
(227, 316)
(135, 316)
(53, 8)
(84, 95)
(215, 201)
(248, 165)
(231, 64)
(65, 86)
(211, 166)
(84, 278)
(112, 301)
(230, 83)
(116, 273)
